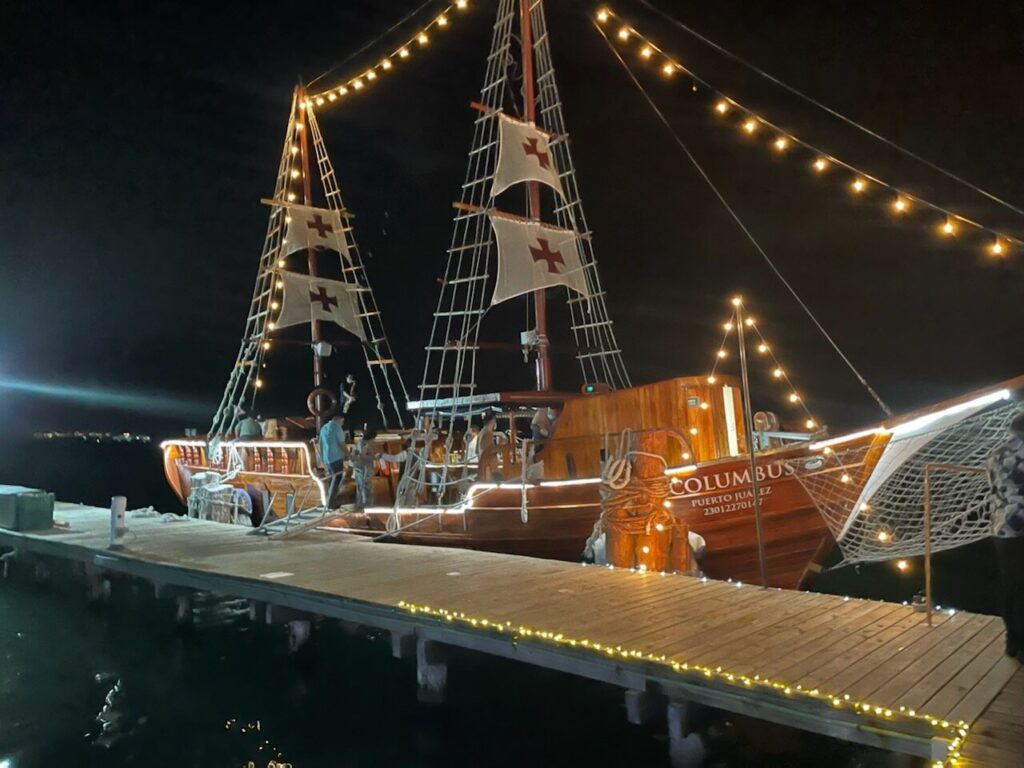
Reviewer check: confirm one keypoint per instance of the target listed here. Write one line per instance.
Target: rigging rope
(838, 115)
(337, 65)
(739, 222)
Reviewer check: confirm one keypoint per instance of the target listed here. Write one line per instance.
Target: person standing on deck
(487, 450)
(1006, 482)
(362, 468)
(247, 427)
(333, 454)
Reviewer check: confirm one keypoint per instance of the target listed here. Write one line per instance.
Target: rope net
(877, 513)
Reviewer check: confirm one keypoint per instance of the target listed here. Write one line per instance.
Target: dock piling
(431, 671)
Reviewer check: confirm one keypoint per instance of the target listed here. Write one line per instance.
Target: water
(120, 684)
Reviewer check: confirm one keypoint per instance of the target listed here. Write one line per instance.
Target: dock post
(403, 645)
(118, 505)
(97, 584)
(642, 706)
(686, 749)
(431, 671)
(183, 609)
(299, 631)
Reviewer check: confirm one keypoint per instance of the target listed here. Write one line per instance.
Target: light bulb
(332, 96)
(722, 353)
(820, 164)
(737, 300)
(903, 565)
(668, 69)
(949, 228)
(781, 143)
(777, 373)
(295, 173)
(422, 38)
(602, 15)
(371, 75)
(858, 186)
(794, 397)
(722, 107)
(810, 424)
(442, 21)
(899, 205)
(461, 4)
(693, 430)
(266, 345)
(704, 406)
(624, 33)
(258, 383)
(274, 305)
(883, 536)
(727, 326)
(295, 149)
(844, 478)
(646, 51)
(319, 101)
(997, 248)
(762, 348)
(342, 90)
(386, 64)
(712, 379)
(291, 197)
(749, 321)
(357, 84)
(403, 53)
(750, 126)
(280, 262)
(299, 126)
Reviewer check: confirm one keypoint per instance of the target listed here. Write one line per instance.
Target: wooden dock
(863, 671)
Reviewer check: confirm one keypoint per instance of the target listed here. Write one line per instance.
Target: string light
(810, 424)
(624, 34)
(646, 51)
(441, 21)
(722, 354)
(712, 379)
(520, 633)
(750, 122)
(903, 566)
(762, 347)
(266, 345)
(778, 373)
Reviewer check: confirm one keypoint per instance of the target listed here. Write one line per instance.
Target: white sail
(532, 256)
(315, 298)
(309, 227)
(523, 155)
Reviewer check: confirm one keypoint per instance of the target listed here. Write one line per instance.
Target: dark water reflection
(121, 684)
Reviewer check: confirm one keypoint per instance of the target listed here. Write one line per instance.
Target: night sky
(138, 138)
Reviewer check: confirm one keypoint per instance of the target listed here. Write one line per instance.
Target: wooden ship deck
(860, 670)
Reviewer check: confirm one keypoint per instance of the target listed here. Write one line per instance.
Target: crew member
(333, 454)
(362, 467)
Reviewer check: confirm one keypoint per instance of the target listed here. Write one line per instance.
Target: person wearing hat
(1006, 484)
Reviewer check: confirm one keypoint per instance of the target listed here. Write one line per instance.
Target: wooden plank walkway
(864, 671)
(997, 737)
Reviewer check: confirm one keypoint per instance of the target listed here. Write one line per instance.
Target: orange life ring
(314, 397)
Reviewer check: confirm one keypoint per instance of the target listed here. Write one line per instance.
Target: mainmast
(540, 306)
(307, 199)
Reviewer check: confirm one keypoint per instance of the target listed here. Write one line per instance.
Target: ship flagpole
(307, 199)
(737, 302)
(529, 109)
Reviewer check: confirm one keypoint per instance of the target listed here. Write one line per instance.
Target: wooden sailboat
(723, 470)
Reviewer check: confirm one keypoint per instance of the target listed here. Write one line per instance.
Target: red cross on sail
(523, 155)
(315, 298)
(308, 227)
(532, 256)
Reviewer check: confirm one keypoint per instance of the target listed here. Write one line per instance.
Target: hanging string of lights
(860, 182)
(778, 372)
(399, 55)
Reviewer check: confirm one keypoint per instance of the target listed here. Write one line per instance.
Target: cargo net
(872, 497)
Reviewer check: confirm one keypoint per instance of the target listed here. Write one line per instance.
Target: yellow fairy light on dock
(602, 15)
(722, 354)
(858, 185)
(646, 51)
(997, 248)
(727, 326)
(903, 566)
(442, 20)
(422, 38)
(762, 348)
(332, 96)
(669, 69)
(778, 373)
(794, 397)
(357, 84)
(386, 64)
(781, 143)
(749, 322)
(403, 53)
(948, 227)
(371, 75)
(319, 101)
(900, 205)
(750, 126)
(624, 34)
(722, 106)
(820, 164)
(342, 90)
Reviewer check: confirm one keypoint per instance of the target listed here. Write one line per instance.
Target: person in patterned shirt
(1006, 484)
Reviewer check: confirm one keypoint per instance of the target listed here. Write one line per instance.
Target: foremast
(294, 172)
(474, 270)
